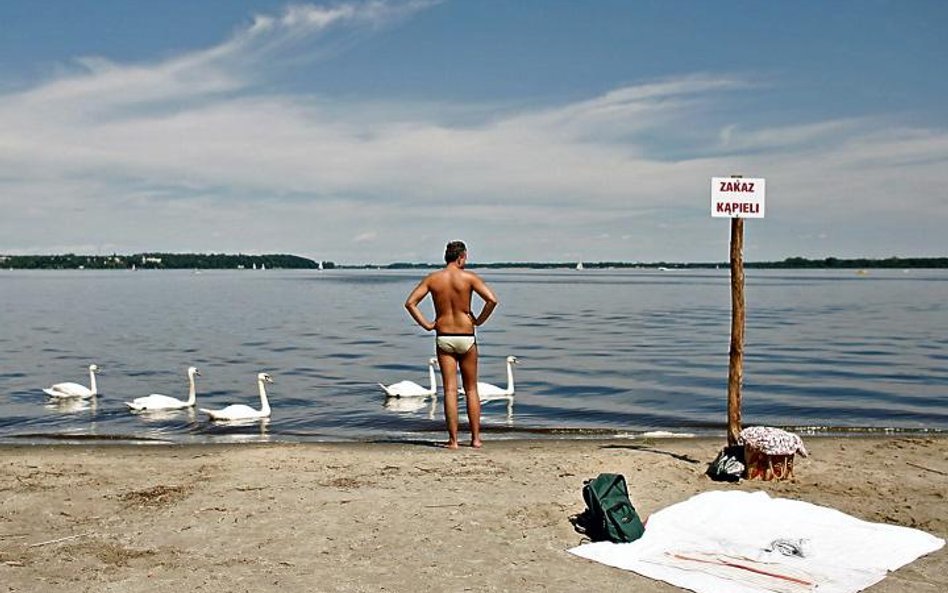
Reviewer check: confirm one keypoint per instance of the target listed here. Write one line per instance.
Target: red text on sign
(737, 186)
(738, 208)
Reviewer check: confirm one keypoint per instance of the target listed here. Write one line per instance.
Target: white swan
(157, 401)
(488, 391)
(244, 412)
(410, 388)
(69, 390)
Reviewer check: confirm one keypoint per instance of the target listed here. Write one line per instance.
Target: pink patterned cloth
(772, 441)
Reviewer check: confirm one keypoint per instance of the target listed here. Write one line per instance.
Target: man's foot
(451, 445)
(476, 443)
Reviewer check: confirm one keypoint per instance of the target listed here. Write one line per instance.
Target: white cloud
(366, 237)
(192, 153)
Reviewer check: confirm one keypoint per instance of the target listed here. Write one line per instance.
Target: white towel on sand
(715, 542)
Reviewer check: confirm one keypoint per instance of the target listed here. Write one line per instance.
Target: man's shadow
(649, 449)
(413, 442)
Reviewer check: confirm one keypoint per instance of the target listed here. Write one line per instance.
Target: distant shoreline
(220, 261)
(161, 261)
(789, 263)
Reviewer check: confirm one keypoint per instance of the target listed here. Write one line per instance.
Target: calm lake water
(602, 352)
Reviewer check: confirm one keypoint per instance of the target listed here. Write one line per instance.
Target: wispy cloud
(193, 152)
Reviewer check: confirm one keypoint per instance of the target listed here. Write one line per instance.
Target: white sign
(737, 197)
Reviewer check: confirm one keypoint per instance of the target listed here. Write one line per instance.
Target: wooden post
(735, 372)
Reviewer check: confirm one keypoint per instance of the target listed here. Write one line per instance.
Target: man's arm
(420, 292)
(490, 301)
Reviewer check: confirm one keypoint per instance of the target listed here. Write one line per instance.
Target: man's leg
(449, 378)
(468, 365)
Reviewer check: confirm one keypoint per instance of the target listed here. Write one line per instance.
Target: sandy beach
(399, 517)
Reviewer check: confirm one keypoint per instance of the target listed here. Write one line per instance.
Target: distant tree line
(163, 261)
(834, 262)
(207, 261)
(790, 262)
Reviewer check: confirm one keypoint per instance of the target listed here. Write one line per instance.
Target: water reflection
(247, 430)
(407, 405)
(72, 405)
(411, 405)
(156, 416)
(510, 406)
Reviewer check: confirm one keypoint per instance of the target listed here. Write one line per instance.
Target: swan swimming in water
(244, 412)
(488, 391)
(412, 389)
(157, 401)
(69, 390)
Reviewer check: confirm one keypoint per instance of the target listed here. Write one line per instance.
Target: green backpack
(609, 514)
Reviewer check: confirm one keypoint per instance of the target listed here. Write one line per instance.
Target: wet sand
(399, 517)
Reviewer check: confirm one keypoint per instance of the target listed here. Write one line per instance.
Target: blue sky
(534, 130)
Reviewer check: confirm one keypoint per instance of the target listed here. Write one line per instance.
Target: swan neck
(92, 385)
(264, 402)
(431, 375)
(510, 379)
(192, 392)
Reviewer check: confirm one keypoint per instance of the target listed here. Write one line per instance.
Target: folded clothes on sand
(734, 542)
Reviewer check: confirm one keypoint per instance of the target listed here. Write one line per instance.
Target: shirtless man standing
(451, 289)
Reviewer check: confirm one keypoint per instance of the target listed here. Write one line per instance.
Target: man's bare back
(451, 291)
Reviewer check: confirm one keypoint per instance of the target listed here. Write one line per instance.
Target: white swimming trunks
(455, 344)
